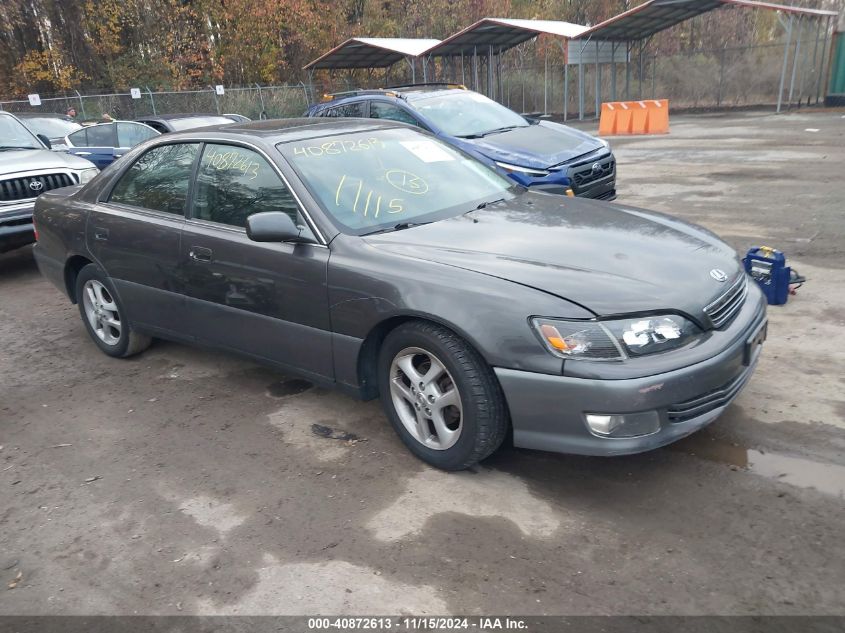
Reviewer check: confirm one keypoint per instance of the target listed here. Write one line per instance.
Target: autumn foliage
(48, 46)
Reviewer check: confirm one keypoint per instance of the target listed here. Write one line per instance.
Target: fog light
(623, 424)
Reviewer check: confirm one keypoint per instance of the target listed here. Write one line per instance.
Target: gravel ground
(185, 481)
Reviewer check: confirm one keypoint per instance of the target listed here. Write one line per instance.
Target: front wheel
(104, 317)
(441, 396)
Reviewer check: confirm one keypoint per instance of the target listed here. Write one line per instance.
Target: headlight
(86, 175)
(615, 340)
(523, 170)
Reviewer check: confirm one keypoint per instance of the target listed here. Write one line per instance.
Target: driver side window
(235, 182)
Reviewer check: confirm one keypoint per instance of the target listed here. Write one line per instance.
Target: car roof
(38, 115)
(272, 131)
(407, 93)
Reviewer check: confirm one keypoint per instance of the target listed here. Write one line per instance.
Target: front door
(268, 300)
(135, 236)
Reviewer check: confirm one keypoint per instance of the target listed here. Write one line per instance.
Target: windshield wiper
(396, 227)
(497, 130)
(484, 205)
(4, 148)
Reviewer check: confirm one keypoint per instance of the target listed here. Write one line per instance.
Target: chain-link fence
(716, 78)
(725, 77)
(256, 102)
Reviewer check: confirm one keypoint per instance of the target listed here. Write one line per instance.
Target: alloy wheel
(426, 398)
(101, 311)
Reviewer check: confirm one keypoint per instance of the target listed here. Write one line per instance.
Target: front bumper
(548, 412)
(16, 228)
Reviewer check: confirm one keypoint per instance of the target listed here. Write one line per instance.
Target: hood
(539, 146)
(13, 161)
(607, 258)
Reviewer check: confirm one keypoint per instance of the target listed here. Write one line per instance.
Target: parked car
(181, 122)
(27, 169)
(535, 153)
(104, 142)
(343, 251)
(52, 125)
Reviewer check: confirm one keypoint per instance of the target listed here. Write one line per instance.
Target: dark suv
(535, 153)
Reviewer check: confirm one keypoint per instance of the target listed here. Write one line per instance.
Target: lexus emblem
(36, 185)
(596, 168)
(719, 275)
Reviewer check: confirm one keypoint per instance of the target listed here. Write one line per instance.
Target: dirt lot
(185, 481)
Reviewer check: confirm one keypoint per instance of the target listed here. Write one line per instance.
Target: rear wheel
(441, 396)
(104, 317)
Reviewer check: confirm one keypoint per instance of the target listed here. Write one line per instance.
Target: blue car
(104, 143)
(539, 154)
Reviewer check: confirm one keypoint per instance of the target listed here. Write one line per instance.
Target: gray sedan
(374, 258)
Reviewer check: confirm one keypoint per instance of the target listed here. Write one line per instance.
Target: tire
(459, 417)
(104, 316)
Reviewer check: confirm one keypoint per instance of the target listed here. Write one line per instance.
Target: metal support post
(598, 82)
(795, 62)
(565, 90)
(152, 101)
(546, 84)
(788, 28)
(613, 71)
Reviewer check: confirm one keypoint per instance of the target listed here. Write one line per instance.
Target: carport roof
(501, 33)
(371, 52)
(654, 16)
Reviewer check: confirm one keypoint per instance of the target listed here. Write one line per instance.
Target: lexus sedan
(375, 258)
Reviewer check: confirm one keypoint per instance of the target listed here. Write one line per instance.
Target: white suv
(28, 168)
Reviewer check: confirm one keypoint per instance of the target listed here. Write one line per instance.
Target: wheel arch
(367, 365)
(73, 265)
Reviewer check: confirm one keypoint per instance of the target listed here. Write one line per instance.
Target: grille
(583, 175)
(19, 189)
(707, 402)
(723, 309)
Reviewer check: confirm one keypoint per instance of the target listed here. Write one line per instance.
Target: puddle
(796, 471)
(289, 387)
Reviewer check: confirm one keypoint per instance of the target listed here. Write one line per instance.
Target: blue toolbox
(768, 268)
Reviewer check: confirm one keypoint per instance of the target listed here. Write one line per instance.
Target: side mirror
(273, 226)
(45, 140)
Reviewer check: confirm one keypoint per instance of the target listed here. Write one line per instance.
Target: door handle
(101, 234)
(200, 254)
(84, 153)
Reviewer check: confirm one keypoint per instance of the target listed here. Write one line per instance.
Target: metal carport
(373, 52)
(643, 21)
(488, 38)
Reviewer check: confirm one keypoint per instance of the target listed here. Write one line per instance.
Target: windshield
(198, 121)
(14, 135)
(391, 179)
(467, 114)
(51, 127)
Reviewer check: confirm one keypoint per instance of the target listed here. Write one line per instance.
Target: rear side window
(79, 139)
(100, 135)
(130, 134)
(354, 109)
(382, 110)
(158, 180)
(235, 182)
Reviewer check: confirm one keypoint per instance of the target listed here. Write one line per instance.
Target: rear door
(135, 236)
(96, 143)
(268, 300)
(130, 134)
